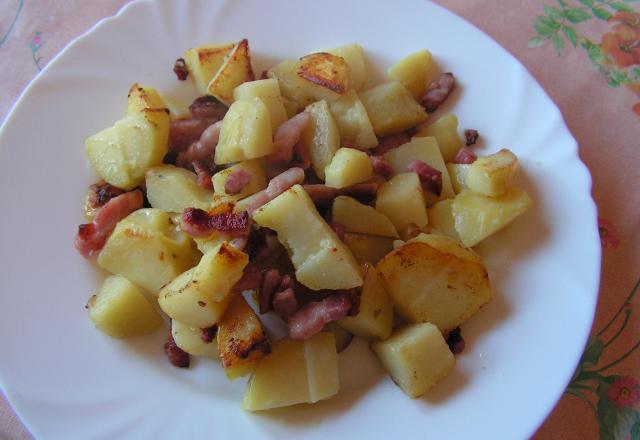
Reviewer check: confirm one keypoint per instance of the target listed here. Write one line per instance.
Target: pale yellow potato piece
(204, 61)
(269, 91)
(441, 218)
(189, 339)
(293, 88)
(246, 132)
(241, 339)
(477, 216)
(325, 70)
(392, 108)
(141, 97)
(417, 358)
(435, 282)
(424, 149)
(343, 337)
(447, 245)
(105, 155)
(348, 167)
(321, 260)
(147, 248)
(295, 372)
(291, 107)
(445, 130)
(401, 199)
(458, 174)
(120, 309)
(205, 244)
(357, 217)
(368, 248)
(321, 138)
(353, 121)
(235, 70)
(353, 54)
(257, 183)
(375, 313)
(493, 175)
(173, 189)
(412, 72)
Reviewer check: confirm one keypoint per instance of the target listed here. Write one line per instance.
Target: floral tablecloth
(586, 55)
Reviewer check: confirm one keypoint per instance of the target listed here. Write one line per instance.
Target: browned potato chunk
(235, 70)
(493, 175)
(204, 61)
(326, 70)
(353, 54)
(391, 108)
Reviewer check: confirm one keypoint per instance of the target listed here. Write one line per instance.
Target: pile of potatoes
(409, 251)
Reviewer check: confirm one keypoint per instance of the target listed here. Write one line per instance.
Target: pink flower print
(624, 392)
(608, 233)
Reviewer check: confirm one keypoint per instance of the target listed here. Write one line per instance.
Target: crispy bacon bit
(381, 166)
(101, 193)
(236, 181)
(338, 229)
(438, 91)
(455, 341)
(208, 334)
(465, 155)
(203, 148)
(264, 74)
(277, 186)
(176, 355)
(430, 178)
(286, 137)
(199, 223)
(92, 236)
(204, 174)
(180, 69)
(207, 107)
(184, 132)
(471, 136)
(390, 142)
(310, 319)
(323, 195)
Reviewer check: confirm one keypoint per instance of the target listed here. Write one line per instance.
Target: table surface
(586, 55)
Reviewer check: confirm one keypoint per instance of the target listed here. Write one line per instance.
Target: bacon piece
(438, 91)
(251, 279)
(270, 283)
(277, 186)
(204, 174)
(381, 166)
(323, 195)
(199, 223)
(101, 193)
(430, 178)
(176, 355)
(285, 303)
(310, 319)
(180, 69)
(390, 142)
(264, 74)
(203, 148)
(92, 236)
(207, 107)
(465, 155)
(338, 229)
(208, 334)
(455, 341)
(302, 156)
(286, 137)
(471, 136)
(184, 132)
(236, 181)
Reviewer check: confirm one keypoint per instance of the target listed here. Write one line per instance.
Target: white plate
(67, 380)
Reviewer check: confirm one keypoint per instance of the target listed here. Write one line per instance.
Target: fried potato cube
(241, 339)
(235, 70)
(445, 130)
(257, 183)
(477, 216)
(190, 340)
(412, 72)
(204, 61)
(321, 138)
(321, 260)
(401, 199)
(348, 167)
(141, 97)
(441, 218)
(368, 248)
(326, 70)
(493, 175)
(147, 248)
(268, 91)
(246, 132)
(425, 149)
(293, 88)
(120, 309)
(374, 319)
(458, 174)
(417, 357)
(353, 54)
(199, 296)
(391, 108)
(357, 217)
(296, 371)
(432, 278)
(353, 121)
(173, 189)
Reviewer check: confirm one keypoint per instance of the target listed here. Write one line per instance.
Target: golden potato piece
(235, 70)
(326, 70)
(401, 199)
(445, 130)
(353, 54)
(204, 61)
(348, 167)
(173, 189)
(141, 97)
(368, 248)
(412, 72)
(322, 137)
(493, 175)
(190, 340)
(353, 121)
(357, 217)
(392, 108)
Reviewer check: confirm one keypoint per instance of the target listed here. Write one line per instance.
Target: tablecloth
(586, 55)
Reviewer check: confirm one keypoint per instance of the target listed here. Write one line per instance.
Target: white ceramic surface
(67, 380)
